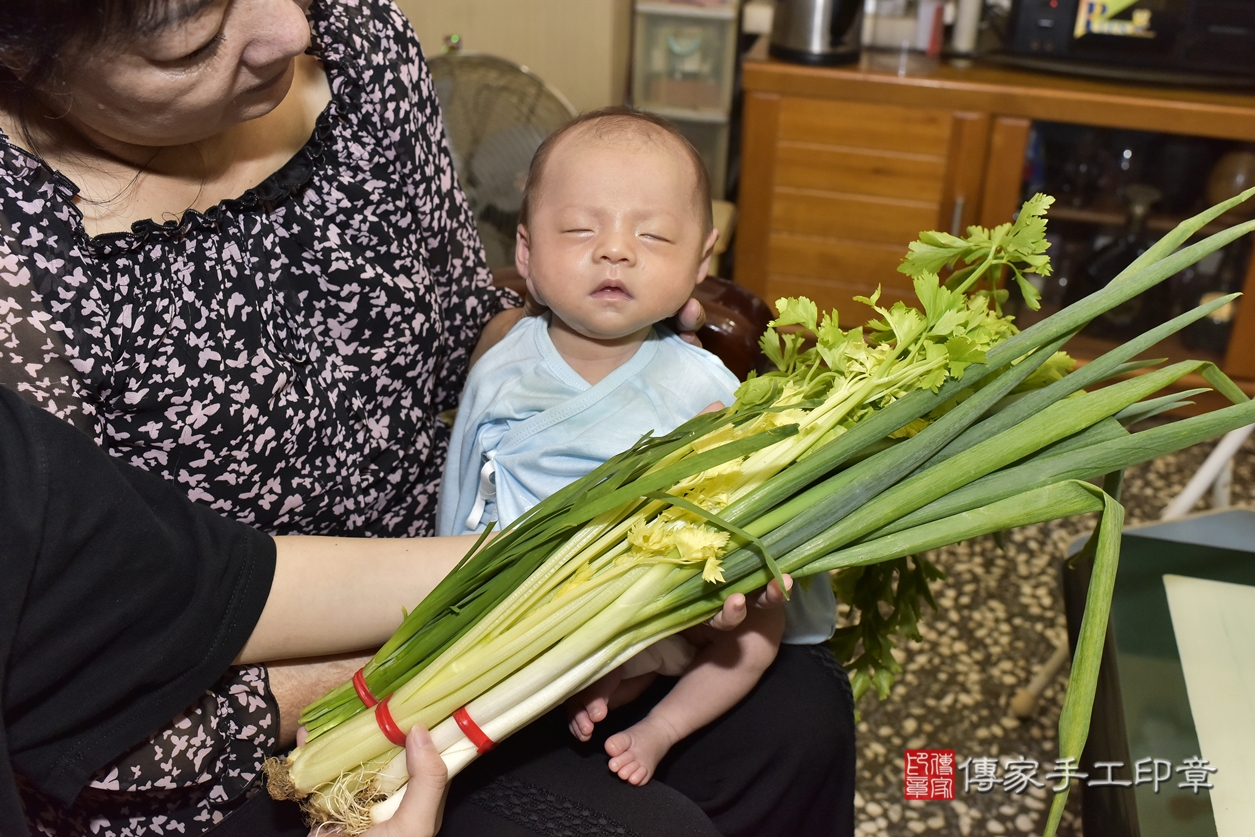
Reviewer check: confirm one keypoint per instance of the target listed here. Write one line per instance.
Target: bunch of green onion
(926, 428)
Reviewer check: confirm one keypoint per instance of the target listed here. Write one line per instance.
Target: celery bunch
(864, 448)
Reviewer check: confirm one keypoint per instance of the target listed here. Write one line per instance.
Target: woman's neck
(121, 183)
(593, 358)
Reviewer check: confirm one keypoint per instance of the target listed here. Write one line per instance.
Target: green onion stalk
(864, 448)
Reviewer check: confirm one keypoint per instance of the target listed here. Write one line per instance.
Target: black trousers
(779, 764)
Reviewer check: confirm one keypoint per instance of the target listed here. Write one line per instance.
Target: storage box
(684, 56)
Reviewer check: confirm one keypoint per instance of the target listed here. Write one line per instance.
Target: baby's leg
(722, 673)
(671, 656)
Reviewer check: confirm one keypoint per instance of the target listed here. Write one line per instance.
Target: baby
(615, 231)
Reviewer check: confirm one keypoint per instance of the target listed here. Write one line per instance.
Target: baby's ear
(523, 264)
(708, 253)
(522, 252)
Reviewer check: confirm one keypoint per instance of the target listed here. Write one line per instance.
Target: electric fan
(496, 114)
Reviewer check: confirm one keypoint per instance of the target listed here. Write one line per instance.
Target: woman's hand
(422, 808)
(688, 321)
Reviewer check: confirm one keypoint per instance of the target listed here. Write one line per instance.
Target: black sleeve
(122, 601)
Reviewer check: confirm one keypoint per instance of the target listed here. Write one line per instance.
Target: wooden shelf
(842, 167)
(1024, 93)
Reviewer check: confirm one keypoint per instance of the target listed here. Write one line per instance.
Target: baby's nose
(616, 247)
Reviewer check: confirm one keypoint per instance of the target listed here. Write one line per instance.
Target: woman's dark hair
(611, 120)
(36, 36)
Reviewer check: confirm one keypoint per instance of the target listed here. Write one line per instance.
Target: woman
(234, 252)
(178, 592)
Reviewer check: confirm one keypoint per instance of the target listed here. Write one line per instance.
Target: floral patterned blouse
(282, 356)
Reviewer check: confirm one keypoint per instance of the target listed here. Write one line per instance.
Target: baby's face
(615, 241)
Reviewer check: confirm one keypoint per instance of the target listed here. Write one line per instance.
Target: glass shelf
(1095, 175)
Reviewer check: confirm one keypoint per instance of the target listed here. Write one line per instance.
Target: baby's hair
(617, 120)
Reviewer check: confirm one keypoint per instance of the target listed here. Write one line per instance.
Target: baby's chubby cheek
(535, 295)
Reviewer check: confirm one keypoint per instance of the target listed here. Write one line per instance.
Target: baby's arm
(723, 672)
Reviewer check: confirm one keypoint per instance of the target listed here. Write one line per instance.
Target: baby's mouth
(611, 289)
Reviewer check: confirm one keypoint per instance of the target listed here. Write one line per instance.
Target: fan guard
(496, 114)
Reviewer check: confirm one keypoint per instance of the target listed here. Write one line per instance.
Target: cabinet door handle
(956, 218)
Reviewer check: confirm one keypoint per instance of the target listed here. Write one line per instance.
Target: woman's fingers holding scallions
(422, 808)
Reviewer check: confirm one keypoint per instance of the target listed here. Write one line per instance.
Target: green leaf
(758, 390)
(829, 328)
(1032, 297)
(883, 678)
(792, 349)
(962, 353)
(711, 517)
(797, 311)
(770, 344)
(1078, 702)
(953, 321)
(869, 300)
(1026, 239)
(932, 253)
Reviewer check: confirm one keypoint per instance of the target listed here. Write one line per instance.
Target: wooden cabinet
(842, 168)
(849, 184)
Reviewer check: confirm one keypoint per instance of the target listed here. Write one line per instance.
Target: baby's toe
(618, 743)
(581, 727)
(597, 709)
(628, 770)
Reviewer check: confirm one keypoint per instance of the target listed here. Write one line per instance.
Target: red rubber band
(387, 725)
(363, 692)
(472, 731)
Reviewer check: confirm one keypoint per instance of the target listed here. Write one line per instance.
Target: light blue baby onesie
(529, 424)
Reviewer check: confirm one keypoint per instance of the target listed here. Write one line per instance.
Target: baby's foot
(591, 706)
(583, 718)
(635, 752)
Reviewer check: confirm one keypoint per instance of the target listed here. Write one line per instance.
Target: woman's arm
(336, 595)
(422, 809)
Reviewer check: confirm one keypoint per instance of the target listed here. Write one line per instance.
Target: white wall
(581, 47)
